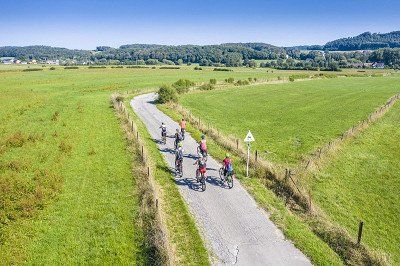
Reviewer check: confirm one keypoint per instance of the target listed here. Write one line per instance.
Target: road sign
(249, 137)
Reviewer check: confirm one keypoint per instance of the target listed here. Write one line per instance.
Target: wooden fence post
(237, 144)
(148, 171)
(360, 229)
(256, 156)
(142, 153)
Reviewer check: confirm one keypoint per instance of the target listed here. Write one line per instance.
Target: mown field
(362, 183)
(67, 193)
(290, 120)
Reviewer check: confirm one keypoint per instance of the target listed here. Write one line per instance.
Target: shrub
(33, 69)
(213, 81)
(52, 68)
(242, 82)
(71, 67)
(197, 68)
(166, 94)
(97, 67)
(255, 79)
(206, 87)
(169, 67)
(182, 85)
(229, 80)
(152, 62)
(136, 67)
(222, 69)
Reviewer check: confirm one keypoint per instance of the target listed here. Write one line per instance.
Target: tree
(166, 94)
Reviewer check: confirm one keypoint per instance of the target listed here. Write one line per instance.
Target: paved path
(235, 229)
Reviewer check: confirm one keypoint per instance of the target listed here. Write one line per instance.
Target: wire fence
(159, 237)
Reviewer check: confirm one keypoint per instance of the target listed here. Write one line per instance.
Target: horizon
(85, 25)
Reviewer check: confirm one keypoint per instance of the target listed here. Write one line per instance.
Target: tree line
(227, 55)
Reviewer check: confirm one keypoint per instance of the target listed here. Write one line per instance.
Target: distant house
(53, 62)
(33, 61)
(7, 60)
(16, 61)
(378, 65)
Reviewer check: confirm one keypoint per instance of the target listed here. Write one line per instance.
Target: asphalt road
(235, 229)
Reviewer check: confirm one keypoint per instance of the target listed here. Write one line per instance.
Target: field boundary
(318, 156)
(286, 185)
(157, 232)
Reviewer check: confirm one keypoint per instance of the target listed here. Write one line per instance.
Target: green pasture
(290, 120)
(362, 183)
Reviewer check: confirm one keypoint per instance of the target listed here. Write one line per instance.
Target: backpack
(180, 154)
(203, 146)
(229, 168)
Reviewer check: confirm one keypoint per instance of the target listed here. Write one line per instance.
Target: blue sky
(85, 24)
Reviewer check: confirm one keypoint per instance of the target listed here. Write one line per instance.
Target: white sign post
(249, 138)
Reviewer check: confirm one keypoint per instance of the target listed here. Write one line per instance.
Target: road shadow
(167, 150)
(191, 183)
(215, 181)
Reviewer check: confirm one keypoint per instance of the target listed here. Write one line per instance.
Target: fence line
(139, 144)
(320, 153)
(269, 170)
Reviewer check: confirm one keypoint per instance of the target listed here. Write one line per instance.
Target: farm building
(7, 60)
(378, 65)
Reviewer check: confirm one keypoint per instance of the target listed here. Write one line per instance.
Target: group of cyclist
(179, 136)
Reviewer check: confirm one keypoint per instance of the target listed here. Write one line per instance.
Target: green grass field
(67, 187)
(67, 191)
(362, 183)
(290, 120)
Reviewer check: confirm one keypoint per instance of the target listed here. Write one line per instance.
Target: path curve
(235, 229)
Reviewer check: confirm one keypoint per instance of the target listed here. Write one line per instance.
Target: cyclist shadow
(191, 183)
(191, 156)
(167, 150)
(215, 181)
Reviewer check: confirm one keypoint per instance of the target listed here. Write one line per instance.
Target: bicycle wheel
(181, 169)
(229, 180)
(203, 182)
(197, 176)
(221, 173)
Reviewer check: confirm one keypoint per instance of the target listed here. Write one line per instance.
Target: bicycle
(183, 133)
(201, 178)
(201, 153)
(178, 168)
(164, 138)
(228, 178)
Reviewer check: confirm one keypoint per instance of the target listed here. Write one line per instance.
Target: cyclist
(203, 146)
(179, 157)
(201, 163)
(227, 162)
(183, 127)
(178, 138)
(163, 130)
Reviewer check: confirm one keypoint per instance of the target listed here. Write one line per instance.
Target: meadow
(68, 192)
(290, 120)
(361, 183)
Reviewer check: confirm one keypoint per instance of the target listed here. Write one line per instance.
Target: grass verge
(154, 244)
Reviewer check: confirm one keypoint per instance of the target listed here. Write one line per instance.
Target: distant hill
(365, 41)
